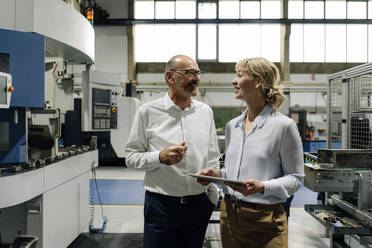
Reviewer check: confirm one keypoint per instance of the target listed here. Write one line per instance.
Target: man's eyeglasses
(189, 72)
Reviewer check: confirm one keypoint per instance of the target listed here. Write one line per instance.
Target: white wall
(7, 13)
(111, 53)
(111, 50)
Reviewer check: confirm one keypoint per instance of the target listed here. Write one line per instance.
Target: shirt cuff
(153, 159)
(269, 188)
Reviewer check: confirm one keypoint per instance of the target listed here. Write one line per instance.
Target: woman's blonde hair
(269, 73)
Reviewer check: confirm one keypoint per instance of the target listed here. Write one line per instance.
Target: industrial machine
(105, 112)
(345, 175)
(44, 187)
(44, 126)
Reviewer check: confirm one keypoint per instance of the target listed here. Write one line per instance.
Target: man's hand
(208, 172)
(251, 187)
(173, 154)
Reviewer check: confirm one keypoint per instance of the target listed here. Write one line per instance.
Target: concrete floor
(304, 230)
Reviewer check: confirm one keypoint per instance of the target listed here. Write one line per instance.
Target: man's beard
(191, 87)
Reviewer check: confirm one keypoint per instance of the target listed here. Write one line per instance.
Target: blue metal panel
(17, 136)
(313, 146)
(26, 58)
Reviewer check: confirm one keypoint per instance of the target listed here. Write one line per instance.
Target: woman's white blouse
(270, 152)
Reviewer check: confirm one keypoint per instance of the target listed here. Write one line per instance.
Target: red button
(10, 89)
(114, 109)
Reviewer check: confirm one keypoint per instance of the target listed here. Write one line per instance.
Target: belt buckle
(183, 200)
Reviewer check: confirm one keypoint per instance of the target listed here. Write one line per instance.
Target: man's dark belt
(179, 199)
(240, 203)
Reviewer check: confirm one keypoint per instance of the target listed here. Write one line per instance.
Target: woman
(264, 150)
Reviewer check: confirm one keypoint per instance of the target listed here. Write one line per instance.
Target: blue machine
(314, 145)
(22, 55)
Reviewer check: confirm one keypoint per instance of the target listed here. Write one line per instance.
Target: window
(335, 42)
(207, 41)
(356, 43)
(270, 40)
(229, 9)
(250, 9)
(270, 9)
(152, 47)
(185, 9)
(295, 9)
(313, 43)
(356, 10)
(144, 10)
(144, 40)
(314, 10)
(336, 9)
(231, 42)
(207, 10)
(250, 41)
(164, 10)
(296, 43)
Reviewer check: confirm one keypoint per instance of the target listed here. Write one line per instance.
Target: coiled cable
(93, 229)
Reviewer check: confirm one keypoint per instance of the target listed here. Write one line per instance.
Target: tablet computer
(216, 179)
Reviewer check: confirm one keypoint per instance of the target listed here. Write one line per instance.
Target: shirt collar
(260, 119)
(168, 103)
(241, 118)
(264, 115)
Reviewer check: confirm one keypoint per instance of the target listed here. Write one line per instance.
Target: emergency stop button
(10, 89)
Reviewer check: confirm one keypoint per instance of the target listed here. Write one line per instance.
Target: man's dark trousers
(175, 222)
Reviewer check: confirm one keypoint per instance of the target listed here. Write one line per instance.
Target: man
(170, 138)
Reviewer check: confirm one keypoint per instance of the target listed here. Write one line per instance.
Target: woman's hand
(208, 172)
(251, 187)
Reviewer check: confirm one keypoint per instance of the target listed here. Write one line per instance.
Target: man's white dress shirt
(159, 124)
(270, 152)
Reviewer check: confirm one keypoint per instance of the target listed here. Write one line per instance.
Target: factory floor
(122, 195)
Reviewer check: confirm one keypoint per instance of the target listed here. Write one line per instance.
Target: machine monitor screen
(4, 137)
(101, 96)
(3, 90)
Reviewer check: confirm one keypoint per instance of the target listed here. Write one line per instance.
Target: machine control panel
(114, 117)
(114, 110)
(104, 109)
(100, 101)
(6, 90)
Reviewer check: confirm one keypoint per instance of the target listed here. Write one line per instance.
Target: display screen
(101, 104)
(4, 62)
(101, 96)
(4, 137)
(3, 93)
